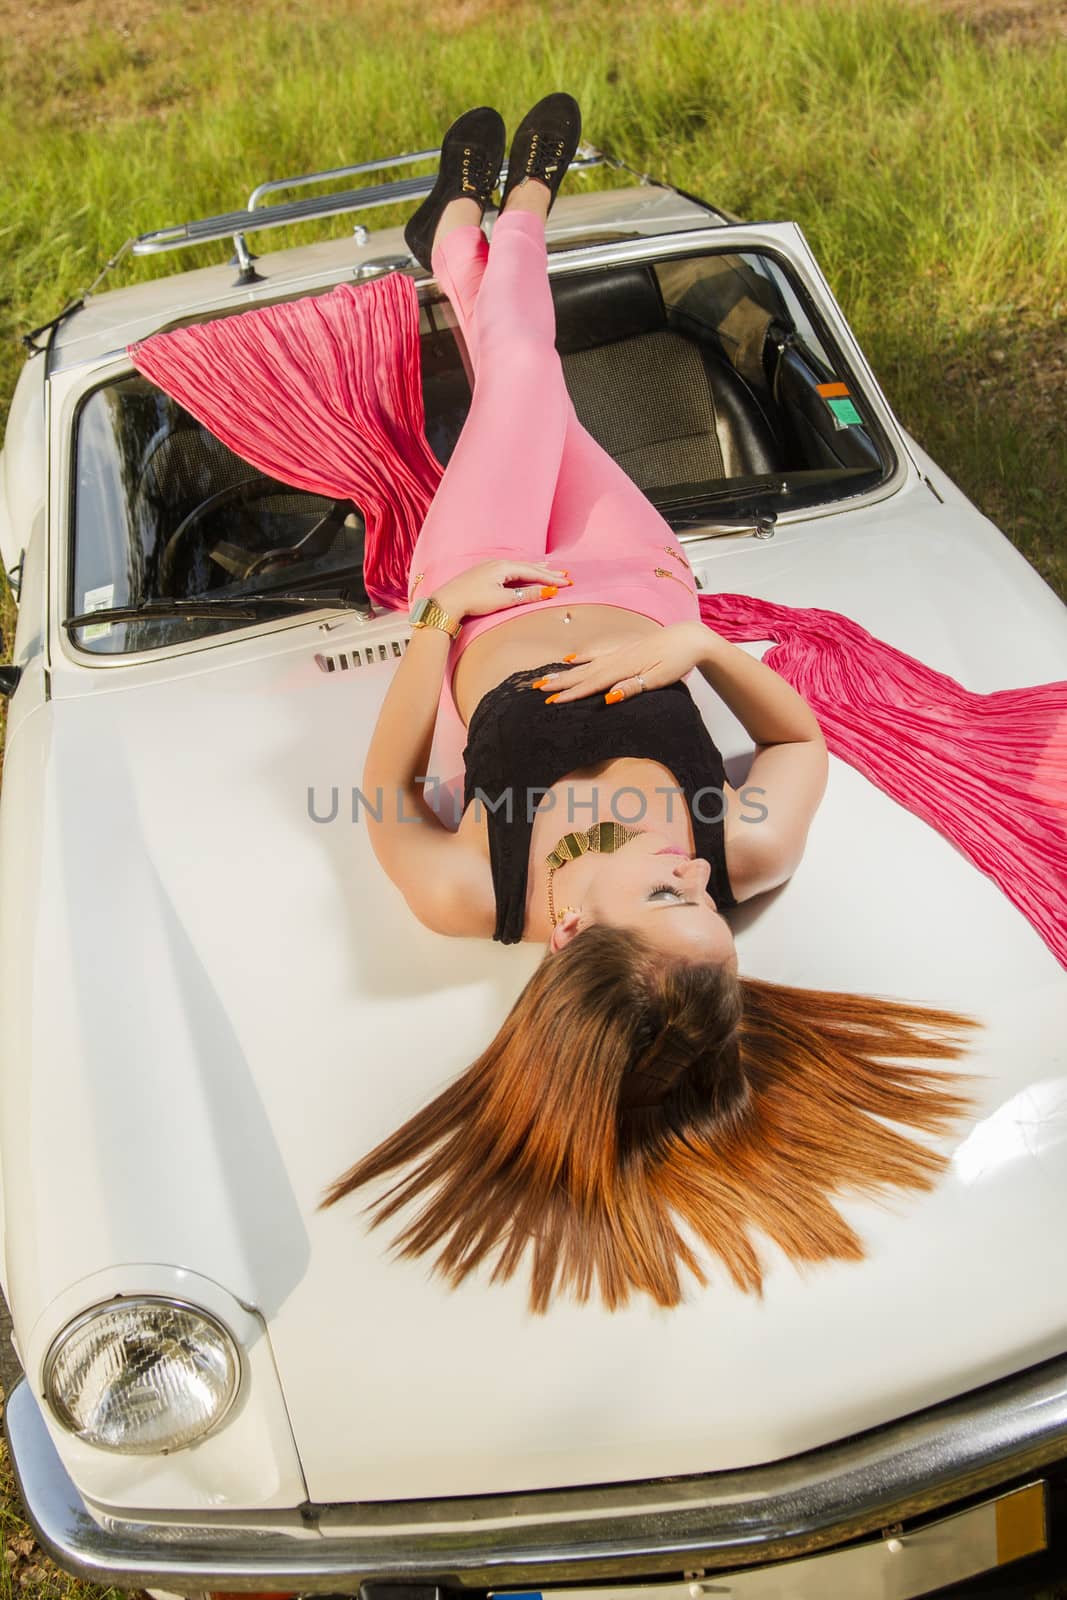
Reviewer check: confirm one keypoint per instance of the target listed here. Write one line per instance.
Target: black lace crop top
(518, 747)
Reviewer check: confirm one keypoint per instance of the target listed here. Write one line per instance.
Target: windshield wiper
(716, 497)
(244, 605)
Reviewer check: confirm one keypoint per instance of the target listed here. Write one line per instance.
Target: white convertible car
(212, 1000)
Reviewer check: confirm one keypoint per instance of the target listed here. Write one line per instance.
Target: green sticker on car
(844, 413)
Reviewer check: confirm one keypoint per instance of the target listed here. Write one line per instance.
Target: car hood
(231, 1004)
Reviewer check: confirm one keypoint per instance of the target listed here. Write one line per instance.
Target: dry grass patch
(1010, 22)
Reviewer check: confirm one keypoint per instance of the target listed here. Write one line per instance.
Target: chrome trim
(753, 1515)
(276, 185)
(897, 1566)
(229, 224)
(585, 156)
(243, 258)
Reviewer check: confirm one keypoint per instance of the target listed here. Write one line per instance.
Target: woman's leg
(459, 261)
(594, 505)
(495, 496)
(597, 510)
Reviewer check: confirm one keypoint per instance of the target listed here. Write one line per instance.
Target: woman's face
(658, 890)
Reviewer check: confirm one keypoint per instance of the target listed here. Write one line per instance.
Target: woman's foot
(543, 148)
(472, 152)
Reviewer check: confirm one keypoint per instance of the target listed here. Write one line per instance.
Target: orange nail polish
(614, 697)
(573, 657)
(539, 683)
(551, 699)
(548, 590)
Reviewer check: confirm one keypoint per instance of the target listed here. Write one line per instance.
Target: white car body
(211, 1004)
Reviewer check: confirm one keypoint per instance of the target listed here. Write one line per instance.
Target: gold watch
(426, 613)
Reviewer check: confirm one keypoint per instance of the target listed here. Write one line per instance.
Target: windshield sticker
(831, 391)
(98, 600)
(844, 414)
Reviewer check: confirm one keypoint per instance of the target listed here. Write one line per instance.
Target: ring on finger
(641, 681)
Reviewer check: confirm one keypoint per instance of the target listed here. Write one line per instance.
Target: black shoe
(544, 144)
(472, 153)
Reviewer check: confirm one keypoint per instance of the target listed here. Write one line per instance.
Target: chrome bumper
(786, 1509)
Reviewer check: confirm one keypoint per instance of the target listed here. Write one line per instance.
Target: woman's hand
(483, 588)
(659, 658)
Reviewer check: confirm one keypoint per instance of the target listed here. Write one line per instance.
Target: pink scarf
(325, 393)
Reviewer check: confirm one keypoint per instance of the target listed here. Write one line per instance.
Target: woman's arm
(767, 821)
(400, 746)
(444, 882)
(769, 709)
(766, 832)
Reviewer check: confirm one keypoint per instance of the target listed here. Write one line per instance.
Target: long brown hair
(625, 1093)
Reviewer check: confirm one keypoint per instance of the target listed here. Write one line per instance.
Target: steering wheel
(250, 489)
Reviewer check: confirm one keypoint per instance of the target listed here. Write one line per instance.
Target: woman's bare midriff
(530, 641)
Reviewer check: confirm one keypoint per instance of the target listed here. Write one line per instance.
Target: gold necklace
(603, 838)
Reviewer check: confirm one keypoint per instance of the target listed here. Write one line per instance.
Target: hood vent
(367, 655)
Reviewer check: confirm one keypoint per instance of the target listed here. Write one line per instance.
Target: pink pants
(525, 478)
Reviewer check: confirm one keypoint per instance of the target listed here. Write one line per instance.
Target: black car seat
(669, 410)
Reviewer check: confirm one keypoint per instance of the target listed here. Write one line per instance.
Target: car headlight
(142, 1375)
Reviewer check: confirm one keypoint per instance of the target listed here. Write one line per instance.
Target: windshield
(706, 377)
(163, 510)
